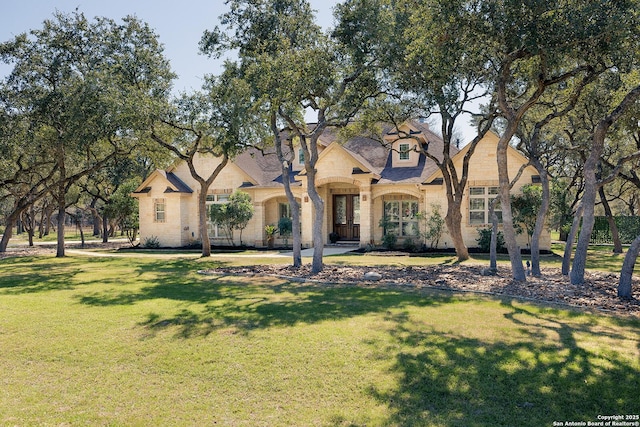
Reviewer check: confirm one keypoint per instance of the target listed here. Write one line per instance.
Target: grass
(70, 233)
(144, 341)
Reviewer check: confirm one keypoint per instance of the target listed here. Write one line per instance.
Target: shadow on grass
(450, 379)
(26, 275)
(243, 307)
(248, 303)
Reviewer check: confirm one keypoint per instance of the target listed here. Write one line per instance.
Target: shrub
(432, 225)
(409, 245)
(484, 240)
(389, 241)
(285, 225)
(151, 242)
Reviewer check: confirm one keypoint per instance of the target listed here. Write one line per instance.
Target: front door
(346, 216)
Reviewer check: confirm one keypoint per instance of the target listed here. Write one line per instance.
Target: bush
(389, 241)
(409, 245)
(484, 240)
(151, 242)
(285, 225)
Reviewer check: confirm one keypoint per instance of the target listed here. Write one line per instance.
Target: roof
(371, 152)
(262, 166)
(180, 186)
(174, 184)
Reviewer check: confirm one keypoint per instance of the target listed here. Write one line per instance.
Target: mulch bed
(599, 292)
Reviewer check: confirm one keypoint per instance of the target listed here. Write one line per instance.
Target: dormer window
(404, 152)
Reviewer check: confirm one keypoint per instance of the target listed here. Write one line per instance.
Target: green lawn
(70, 233)
(148, 341)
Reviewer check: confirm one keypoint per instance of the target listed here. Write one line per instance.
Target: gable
(483, 166)
(162, 181)
(335, 161)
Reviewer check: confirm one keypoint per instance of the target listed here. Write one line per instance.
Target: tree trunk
(617, 244)
(591, 184)
(295, 209)
(8, 230)
(105, 229)
(515, 257)
(95, 216)
(571, 237)
(296, 229)
(588, 206)
(588, 219)
(43, 218)
(626, 274)
(61, 227)
(81, 236)
(293, 203)
(493, 246)
(202, 222)
(318, 217)
(31, 231)
(47, 225)
(540, 221)
(454, 225)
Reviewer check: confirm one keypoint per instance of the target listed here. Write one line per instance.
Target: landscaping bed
(599, 291)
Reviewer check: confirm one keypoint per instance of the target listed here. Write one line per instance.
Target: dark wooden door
(346, 216)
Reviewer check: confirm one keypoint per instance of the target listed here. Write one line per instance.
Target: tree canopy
(85, 89)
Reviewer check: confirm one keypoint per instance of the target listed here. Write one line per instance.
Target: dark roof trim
(436, 181)
(358, 171)
(144, 190)
(178, 183)
(411, 132)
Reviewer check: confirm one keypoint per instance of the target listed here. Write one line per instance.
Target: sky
(179, 25)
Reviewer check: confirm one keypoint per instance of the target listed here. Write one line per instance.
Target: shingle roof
(262, 166)
(178, 183)
(265, 169)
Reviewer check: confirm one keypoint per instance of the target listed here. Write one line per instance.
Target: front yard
(149, 341)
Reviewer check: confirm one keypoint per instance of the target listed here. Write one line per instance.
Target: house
(361, 181)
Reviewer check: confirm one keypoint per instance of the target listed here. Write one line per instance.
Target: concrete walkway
(328, 250)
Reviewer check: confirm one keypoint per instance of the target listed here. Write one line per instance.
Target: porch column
(366, 216)
(306, 220)
(259, 223)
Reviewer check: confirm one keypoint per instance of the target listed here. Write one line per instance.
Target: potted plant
(270, 230)
(334, 237)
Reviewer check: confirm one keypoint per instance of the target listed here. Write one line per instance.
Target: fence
(628, 228)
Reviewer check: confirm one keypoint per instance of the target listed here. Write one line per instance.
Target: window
(479, 201)
(215, 199)
(159, 209)
(400, 217)
(285, 210)
(301, 156)
(404, 152)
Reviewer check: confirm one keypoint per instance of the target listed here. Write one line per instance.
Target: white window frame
(215, 199)
(480, 198)
(159, 210)
(403, 151)
(401, 217)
